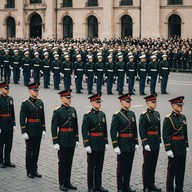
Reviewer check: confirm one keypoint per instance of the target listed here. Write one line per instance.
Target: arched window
(126, 26)
(36, 26)
(174, 25)
(67, 27)
(10, 27)
(92, 27)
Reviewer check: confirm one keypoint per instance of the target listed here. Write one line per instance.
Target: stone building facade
(95, 18)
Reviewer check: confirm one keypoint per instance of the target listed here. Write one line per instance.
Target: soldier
(65, 136)
(56, 69)
(78, 72)
(7, 125)
(26, 67)
(94, 132)
(16, 65)
(125, 142)
(152, 71)
(66, 72)
(120, 74)
(176, 144)
(46, 68)
(1, 61)
(99, 70)
(131, 74)
(36, 66)
(142, 73)
(32, 121)
(109, 74)
(6, 65)
(89, 72)
(149, 128)
(164, 73)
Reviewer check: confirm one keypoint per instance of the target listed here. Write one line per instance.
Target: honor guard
(64, 128)
(120, 74)
(99, 70)
(26, 67)
(2, 52)
(32, 121)
(109, 74)
(7, 125)
(125, 142)
(152, 71)
(78, 72)
(131, 74)
(7, 65)
(94, 132)
(149, 128)
(176, 145)
(66, 72)
(16, 65)
(36, 67)
(164, 74)
(89, 72)
(56, 69)
(46, 68)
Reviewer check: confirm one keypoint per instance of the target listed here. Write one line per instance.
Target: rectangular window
(91, 3)
(35, 1)
(126, 2)
(67, 3)
(10, 4)
(175, 2)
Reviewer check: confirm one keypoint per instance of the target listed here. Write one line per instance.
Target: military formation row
(123, 132)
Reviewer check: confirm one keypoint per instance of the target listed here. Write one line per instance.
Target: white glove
(105, 78)
(117, 150)
(44, 134)
(127, 78)
(106, 147)
(160, 145)
(11, 68)
(170, 153)
(147, 148)
(56, 147)
(160, 77)
(62, 75)
(136, 147)
(187, 149)
(41, 72)
(95, 77)
(149, 77)
(77, 144)
(137, 77)
(75, 76)
(31, 71)
(0, 131)
(25, 136)
(14, 128)
(88, 149)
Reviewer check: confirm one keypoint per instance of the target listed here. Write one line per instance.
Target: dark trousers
(36, 77)
(67, 82)
(65, 156)
(7, 73)
(6, 141)
(164, 84)
(131, 84)
(109, 85)
(120, 85)
(32, 153)
(56, 78)
(46, 77)
(94, 168)
(149, 167)
(124, 168)
(153, 84)
(79, 83)
(99, 85)
(16, 75)
(1, 68)
(176, 170)
(26, 78)
(89, 84)
(142, 85)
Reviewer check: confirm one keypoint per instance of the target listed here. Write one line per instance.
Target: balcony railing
(11, 5)
(91, 4)
(126, 2)
(67, 4)
(175, 2)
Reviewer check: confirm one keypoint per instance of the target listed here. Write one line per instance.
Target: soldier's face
(66, 101)
(96, 105)
(151, 105)
(126, 105)
(177, 108)
(164, 58)
(79, 59)
(34, 94)
(4, 91)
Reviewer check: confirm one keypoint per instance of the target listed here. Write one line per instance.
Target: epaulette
(168, 115)
(57, 108)
(25, 100)
(144, 112)
(87, 112)
(117, 112)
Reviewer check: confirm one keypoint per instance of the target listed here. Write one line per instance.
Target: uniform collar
(124, 111)
(175, 114)
(32, 99)
(94, 111)
(64, 106)
(150, 110)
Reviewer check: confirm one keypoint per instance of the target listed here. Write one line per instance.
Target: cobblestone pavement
(15, 179)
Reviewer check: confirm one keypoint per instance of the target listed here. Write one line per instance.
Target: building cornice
(176, 7)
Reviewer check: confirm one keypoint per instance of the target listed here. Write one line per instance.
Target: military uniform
(56, 69)
(175, 140)
(99, 71)
(7, 122)
(94, 132)
(46, 68)
(124, 135)
(36, 66)
(16, 65)
(32, 121)
(149, 128)
(64, 130)
(1, 62)
(6, 66)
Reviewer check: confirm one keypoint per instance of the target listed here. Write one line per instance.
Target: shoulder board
(168, 115)
(25, 100)
(117, 112)
(144, 112)
(57, 108)
(87, 112)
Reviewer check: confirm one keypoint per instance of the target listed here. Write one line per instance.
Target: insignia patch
(103, 119)
(184, 122)
(11, 102)
(133, 119)
(73, 114)
(40, 107)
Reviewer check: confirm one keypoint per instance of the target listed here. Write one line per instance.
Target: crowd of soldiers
(93, 60)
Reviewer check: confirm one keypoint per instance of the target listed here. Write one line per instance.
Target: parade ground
(16, 180)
